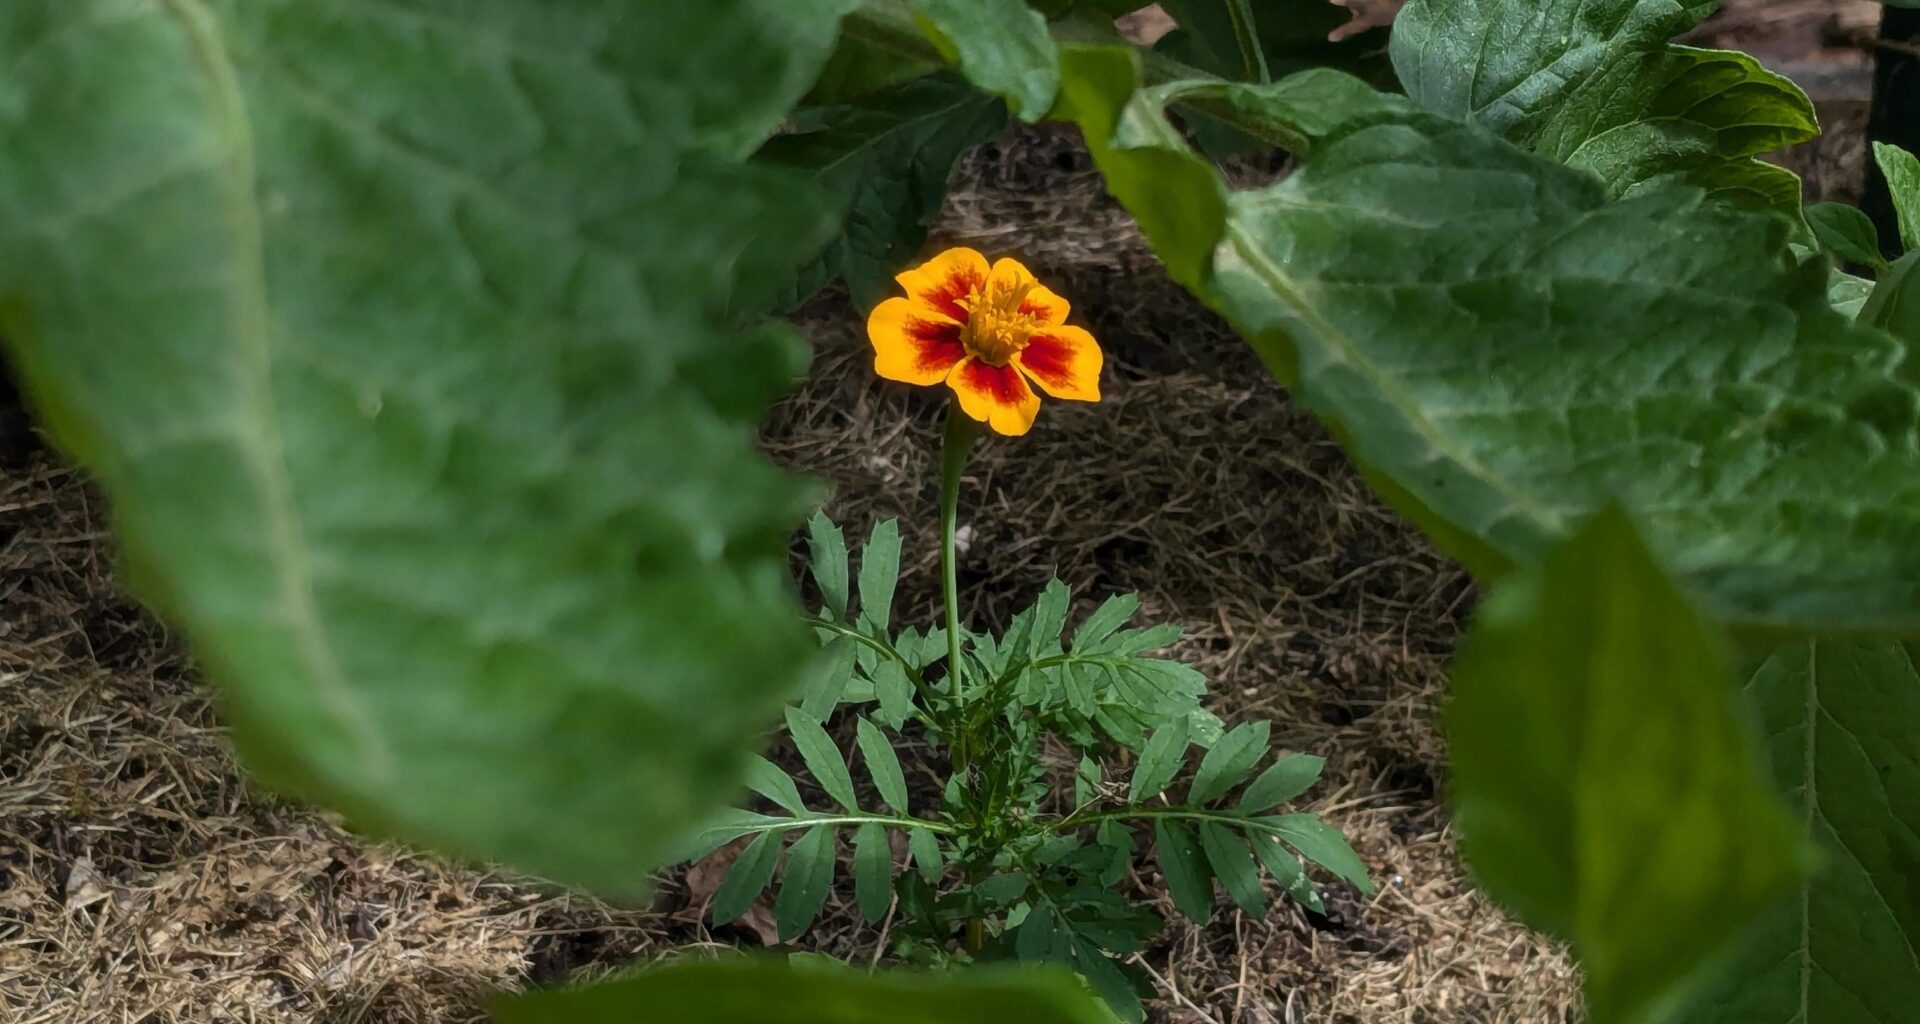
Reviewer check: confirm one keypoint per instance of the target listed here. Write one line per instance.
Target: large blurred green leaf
(1002, 46)
(887, 157)
(1506, 352)
(1843, 722)
(757, 991)
(394, 333)
(1894, 305)
(858, 68)
(1597, 86)
(1177, 198)
(1603, 785)
(1902, 171)
(1514, 352)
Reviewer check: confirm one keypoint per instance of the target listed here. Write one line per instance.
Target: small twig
(1240, 946)
(1178, 996)
(886, 929)
(1910, 49)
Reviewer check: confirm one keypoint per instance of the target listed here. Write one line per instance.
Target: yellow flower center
(996, 328)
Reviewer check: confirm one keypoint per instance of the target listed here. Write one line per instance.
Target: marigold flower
(986, 332)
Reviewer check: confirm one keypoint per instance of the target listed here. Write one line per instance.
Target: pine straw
(142, 880)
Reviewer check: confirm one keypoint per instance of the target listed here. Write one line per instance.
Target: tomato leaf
(1843, 727)
(1605, 787)
(397, 334)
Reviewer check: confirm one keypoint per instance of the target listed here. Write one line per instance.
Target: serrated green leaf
(1002, 888)
(1229, 762)
(1189, 880)
(925, 849)
(879, 573)
(933, 647)
(1322, 844)
(1016, 642)
(1165, 752)
(1125, 729)
(415, 398)
(1628, 814)
(1050, 614)
(1086, 781)
(1111, 615)
(1843, 724)
(884, 766)
(772, 781)
(1283, 780)
(1039, 938)
(742, 990)
(1847, 234)
(749, 876)
(1902, 171)
(805, 883)
(822, 758)
(1002, 46)
(1111, 983)
(872, 871)
(1117, 839)
(719, 829)
(827, 561)
(1205, 727)
(827, 683)
(1233, 863)
(1139, 641)
(894, 691)
(1286, 871)
(1081, 686)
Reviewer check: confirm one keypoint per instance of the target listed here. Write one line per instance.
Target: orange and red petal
(913, 344)
(1042, 304)
(995, 395)
(941, 282)
(1065, 362)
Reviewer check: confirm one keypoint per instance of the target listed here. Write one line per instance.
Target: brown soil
(143, 880)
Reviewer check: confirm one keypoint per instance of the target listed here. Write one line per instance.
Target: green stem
(960, 432)
(959, 436)
(1252, 54)
(885, 650)
(795, 824)
(1078, 820)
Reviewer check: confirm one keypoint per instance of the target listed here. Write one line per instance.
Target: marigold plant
(1014, 860)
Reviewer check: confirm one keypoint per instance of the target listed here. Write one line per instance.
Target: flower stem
(953, 461)
(1248, 38)
(959, 436)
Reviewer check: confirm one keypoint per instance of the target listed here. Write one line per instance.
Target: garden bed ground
(142, 880)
